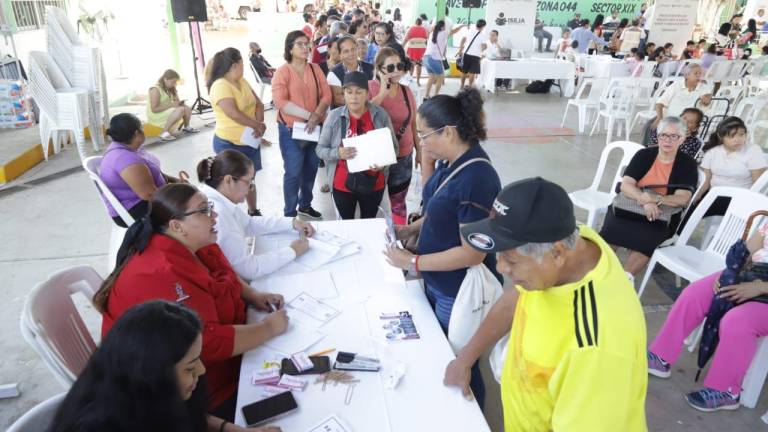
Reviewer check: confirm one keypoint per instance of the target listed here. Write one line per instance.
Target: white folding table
(531, 69)
(367, 286)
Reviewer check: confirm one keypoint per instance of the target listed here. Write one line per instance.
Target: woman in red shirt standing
(171, 254)
(398, 101)
(416, 45)
(356, 117)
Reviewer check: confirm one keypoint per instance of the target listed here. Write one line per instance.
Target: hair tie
(209, 175)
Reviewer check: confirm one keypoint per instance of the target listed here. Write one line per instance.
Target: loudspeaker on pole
(189, 10)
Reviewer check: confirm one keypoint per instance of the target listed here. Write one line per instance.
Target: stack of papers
(373, 148)
(324, 247)
(318, 283)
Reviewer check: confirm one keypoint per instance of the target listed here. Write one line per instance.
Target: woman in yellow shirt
(165, 110)
(236, 107)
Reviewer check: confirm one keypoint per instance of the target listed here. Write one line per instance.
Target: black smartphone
(269, 408)
(320, 365)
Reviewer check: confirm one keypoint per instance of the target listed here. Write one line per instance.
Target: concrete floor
(54, 219)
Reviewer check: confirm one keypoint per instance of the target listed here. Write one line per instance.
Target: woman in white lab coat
(226, 180)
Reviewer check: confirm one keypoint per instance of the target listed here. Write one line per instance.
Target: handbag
(446, 65)
(360, 183)
(460, 59)
(628, 208)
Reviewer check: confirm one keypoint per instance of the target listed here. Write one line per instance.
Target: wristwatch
(412, 268)
(658, 201)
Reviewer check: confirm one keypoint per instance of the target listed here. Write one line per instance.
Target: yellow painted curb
(21, 164)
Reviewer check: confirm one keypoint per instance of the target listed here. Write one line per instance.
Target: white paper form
(297, 337)
(248, 139)
(373, 148)
(300, 134)
(319, 283)
(307, 309)
(331, 424)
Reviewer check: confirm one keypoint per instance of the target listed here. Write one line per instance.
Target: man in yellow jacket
(576, 359)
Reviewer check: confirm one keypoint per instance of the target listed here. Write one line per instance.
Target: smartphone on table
(269, 409)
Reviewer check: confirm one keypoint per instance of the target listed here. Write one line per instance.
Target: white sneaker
(190, 129)
(167, 136)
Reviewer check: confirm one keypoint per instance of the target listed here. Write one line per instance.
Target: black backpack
(539, 86)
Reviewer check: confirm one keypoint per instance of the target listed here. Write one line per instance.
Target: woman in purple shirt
(131, 173)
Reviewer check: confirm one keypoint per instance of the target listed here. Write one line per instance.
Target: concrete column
(173, 36)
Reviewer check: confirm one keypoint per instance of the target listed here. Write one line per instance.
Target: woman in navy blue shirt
(461, 191)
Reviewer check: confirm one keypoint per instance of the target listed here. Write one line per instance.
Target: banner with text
(554, 13)
(514, 20)
(673, 21)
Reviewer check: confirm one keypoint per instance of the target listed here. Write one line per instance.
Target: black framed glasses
(391, 67)
(207, 210)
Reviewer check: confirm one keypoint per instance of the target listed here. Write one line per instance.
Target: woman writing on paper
(236, 107)
(356, 117)
(171, 254)
(462, 190)
(226, 180)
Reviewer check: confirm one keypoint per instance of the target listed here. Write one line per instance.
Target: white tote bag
(497, 357)
(477, 294)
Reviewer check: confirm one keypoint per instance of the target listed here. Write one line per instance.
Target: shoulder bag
(303, 144)
(460, 60)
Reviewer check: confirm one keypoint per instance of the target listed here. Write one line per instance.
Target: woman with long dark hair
(172, 255)
(145, 376)
(164, 108)
(462, 190)
(597, 29)
(237, 109)
(399, 102)
(301, 94)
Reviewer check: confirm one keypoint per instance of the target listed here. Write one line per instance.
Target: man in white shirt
(684, 94)
(477, 41)
(647, 17)
(614, 18)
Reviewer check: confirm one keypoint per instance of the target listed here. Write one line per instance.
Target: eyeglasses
(423, 137)
(206, 210)
(250, 182)
(669, 137)
(391, 67)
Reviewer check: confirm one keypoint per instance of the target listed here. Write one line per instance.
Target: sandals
(167, 136)
(190, 129)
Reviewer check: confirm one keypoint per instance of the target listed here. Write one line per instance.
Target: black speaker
(471, 3)
(189, 10)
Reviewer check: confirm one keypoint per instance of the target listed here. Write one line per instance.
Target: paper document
(248, 139)
(300, 134)
(331, 424)
(319, 283)
(373, 148)
(319, 254)
(296, 338)
(304, 306)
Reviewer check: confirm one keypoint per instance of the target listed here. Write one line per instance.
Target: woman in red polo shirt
(171, 254)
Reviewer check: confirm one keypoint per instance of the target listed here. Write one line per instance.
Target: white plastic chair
(592, 199)
(92, 166)
(616, 105)
(40, 417)
(647, 69)
(737, 70)
(691, 263)
(51, 324)
(586, 102)
(717, 72)
(63, 108)
(755, 377)
(750, 108)
(683, 64)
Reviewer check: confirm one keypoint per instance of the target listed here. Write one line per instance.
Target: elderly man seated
(682, 95)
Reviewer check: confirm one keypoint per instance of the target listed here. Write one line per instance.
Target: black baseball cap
(532, 210)
(355, 78)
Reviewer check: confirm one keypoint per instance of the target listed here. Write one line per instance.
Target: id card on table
(313, 308)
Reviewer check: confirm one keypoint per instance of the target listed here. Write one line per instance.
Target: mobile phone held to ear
(321, 365)
(269, 409)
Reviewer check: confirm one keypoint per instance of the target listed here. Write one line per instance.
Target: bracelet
(223, 423)
(417, 264)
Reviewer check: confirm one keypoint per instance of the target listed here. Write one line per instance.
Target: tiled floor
(58, 221)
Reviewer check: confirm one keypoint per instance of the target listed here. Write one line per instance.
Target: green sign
(552, 12)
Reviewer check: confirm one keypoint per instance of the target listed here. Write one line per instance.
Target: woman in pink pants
(740, 329)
